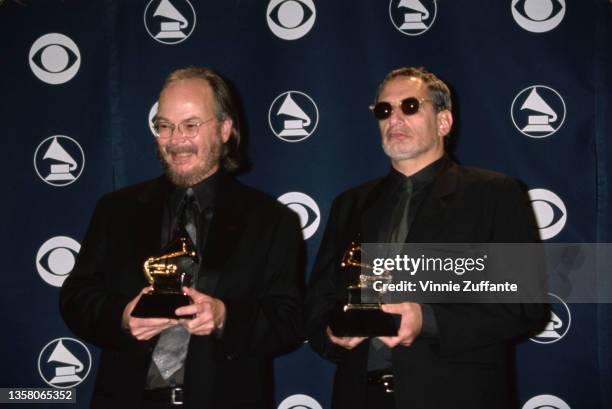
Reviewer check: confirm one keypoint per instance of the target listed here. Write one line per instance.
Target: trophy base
(160, 305)
(363, 320)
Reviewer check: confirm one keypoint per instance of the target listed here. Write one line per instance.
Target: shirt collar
(422, 178)
(205, 192)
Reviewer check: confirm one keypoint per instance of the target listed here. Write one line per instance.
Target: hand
(410, 326)
(209, 313)
(345, 342)
(143, 328)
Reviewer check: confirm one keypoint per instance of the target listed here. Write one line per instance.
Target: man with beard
(245, 296)
(444, 355)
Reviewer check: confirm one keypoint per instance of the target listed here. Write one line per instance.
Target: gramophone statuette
(167, 273)
(361, 312)
(360, 292)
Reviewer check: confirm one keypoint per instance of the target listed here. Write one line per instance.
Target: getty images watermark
(483, 273)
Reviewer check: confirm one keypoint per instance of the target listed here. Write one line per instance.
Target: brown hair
(225, 108)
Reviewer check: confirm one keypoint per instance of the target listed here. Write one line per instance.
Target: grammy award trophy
(361, 313)
(167, 274)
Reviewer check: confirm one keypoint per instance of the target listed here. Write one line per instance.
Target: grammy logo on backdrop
(170, 29)
(538, 123)
(538, 111)
(293, 116)
(559, 323)
(414, 20)
(169, 22)
(59, 171)
(66, 373)
(550, 331)
(293, 127)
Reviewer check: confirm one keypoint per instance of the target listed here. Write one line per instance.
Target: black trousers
(161, 398)
(378, 398)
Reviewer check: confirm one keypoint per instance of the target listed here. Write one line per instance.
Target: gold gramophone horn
(161, 264)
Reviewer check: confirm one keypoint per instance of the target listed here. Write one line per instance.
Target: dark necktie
(171, 349)
(397, 234)
(399, 219)
(190, 215)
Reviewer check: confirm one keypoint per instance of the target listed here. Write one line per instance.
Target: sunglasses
(409, 106)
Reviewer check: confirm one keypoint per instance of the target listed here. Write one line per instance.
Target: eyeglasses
(189, 128)
(410, 106)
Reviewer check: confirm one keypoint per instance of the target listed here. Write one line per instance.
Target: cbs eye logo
(291, 19)
(538, 16)
(550, 212)
(54, 58)
(299, 401)
(545, 402)
(307, 210)
(152, 114)
(56, 258)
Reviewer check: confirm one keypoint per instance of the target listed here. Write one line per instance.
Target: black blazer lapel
(369, 222)
(226, 228)
(150, 215)
(431, 216)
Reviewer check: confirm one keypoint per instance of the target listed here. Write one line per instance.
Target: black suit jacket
(469, 363)
(251, 262)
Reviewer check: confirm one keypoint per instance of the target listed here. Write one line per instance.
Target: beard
(398, 151)
(209, 160)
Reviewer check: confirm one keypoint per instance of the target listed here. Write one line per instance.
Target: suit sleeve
(324, 288)
(464, 327)
(89, 302)
(271, 322)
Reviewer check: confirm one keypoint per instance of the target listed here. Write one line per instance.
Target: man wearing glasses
(444, 355)
(244, 296)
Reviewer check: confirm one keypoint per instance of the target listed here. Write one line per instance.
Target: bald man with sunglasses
(444, 355)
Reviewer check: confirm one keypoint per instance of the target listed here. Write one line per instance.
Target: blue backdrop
(532, 91)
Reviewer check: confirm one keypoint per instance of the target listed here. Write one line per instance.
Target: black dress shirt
(379, 356)
(205, 192)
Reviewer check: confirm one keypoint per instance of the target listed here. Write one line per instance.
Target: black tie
(398, 234)
(399, 219)
(187, 217)
(190, 215)
(171, 349)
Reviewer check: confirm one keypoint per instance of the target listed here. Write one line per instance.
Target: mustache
(397, 128)
(176, 150)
